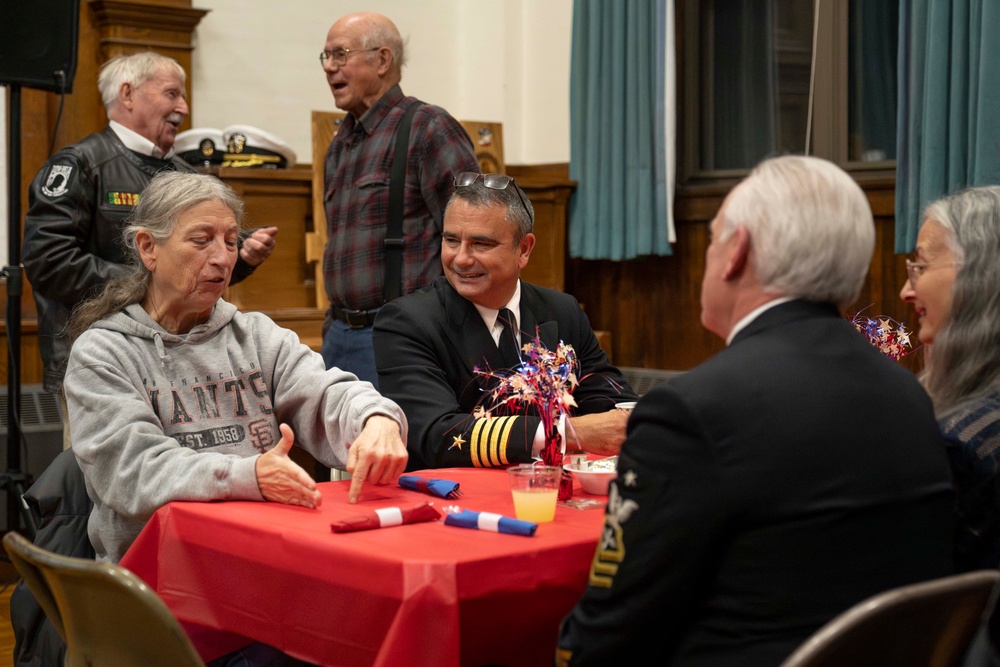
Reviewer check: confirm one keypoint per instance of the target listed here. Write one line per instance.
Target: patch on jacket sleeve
(611, 550)
(123, 198)
(57, 182)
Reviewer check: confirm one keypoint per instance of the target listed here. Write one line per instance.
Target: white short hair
(811, 228)
(136, 68)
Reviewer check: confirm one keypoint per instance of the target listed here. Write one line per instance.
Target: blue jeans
(349, 350)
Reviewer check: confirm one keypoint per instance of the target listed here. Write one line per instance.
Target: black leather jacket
(77, 206)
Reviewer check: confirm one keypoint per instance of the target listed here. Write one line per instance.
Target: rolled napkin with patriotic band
(442, 488)
(385, 517)
(498, 523)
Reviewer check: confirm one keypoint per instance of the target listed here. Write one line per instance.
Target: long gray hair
(964, 360)
(167, 196)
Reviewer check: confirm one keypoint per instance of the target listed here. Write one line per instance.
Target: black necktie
(508, 341)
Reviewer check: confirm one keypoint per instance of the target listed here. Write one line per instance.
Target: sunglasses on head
(493, 182)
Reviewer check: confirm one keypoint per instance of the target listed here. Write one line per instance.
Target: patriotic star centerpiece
(545, 380)
(886, 334)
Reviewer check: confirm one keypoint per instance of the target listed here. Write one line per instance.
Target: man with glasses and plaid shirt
(363, 60)
(429, 344)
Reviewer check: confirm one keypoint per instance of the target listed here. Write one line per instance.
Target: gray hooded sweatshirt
(157, 417)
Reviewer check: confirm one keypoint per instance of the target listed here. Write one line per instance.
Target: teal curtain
(949, 105)
(621, 67)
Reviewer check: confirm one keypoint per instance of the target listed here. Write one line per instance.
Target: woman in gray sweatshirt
(175, 395)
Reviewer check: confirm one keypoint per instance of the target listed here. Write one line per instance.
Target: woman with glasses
(954, 286)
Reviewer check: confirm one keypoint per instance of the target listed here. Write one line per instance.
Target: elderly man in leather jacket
(79, 201)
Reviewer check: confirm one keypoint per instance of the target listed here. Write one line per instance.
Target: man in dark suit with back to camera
(428, 344)
(792, 475)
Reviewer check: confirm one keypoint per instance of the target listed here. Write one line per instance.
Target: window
(746, 83)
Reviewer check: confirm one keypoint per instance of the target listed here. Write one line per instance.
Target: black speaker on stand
(38, 45)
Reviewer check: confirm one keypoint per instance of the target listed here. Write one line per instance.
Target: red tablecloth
(420, 594)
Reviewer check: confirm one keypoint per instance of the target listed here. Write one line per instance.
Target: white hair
(383, 32)
(810, 225)
(136, 69)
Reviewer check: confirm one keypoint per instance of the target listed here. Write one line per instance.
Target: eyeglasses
(493, 182)
(338, 57)
(916, 269)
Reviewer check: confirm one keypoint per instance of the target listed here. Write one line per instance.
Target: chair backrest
(109, 616)
(325, 125)
(487, 141)
(34, 578)
(930, 623)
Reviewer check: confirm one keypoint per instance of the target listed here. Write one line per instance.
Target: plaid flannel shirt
(356, 197)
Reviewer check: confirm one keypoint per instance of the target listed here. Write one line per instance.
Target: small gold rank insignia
(456, 442)
(611, 549)
(207, 147)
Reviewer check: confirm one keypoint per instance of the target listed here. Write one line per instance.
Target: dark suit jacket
(789, 477)
(429, 344)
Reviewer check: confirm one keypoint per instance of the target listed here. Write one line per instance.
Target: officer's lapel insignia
(58, 181)
(611, 551)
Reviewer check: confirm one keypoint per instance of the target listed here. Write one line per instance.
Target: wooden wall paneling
(650, 304)
(280, 197)
(550, 201)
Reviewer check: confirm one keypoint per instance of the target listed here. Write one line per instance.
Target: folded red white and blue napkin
(385, 517)
(442, 488)
(498, 523)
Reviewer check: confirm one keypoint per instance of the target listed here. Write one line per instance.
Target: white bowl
(593, 480)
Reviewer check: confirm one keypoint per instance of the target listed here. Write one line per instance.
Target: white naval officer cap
(248, 146)
(200, 146)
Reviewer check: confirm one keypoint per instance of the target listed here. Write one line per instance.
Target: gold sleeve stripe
(491, 447)
(474, 439)
(488, 444)
(505, 438)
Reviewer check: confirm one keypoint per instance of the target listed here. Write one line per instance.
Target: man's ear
(126, 95)
(739, 253)
(524, 249)
(384, 60)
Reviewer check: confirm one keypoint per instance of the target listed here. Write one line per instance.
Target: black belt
(356, 319)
